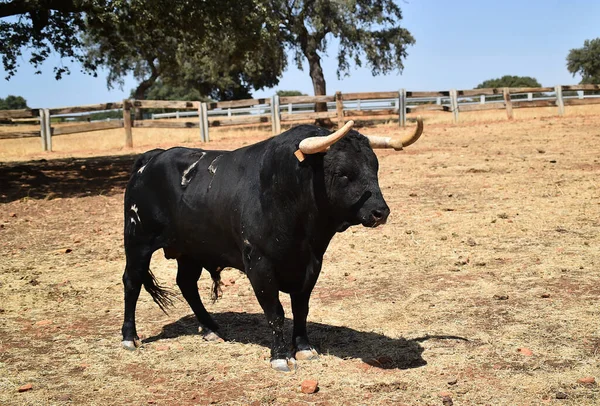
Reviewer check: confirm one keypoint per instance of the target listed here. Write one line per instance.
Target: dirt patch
(492, 246)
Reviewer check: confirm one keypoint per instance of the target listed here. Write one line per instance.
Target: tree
(510, 81)
(44, 27)
(586, 61)
(237, 49)
(149, 38)
(13, 103)
(285, 93)
(368, 32)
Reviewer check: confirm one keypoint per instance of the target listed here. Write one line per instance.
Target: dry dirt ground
(483, 287)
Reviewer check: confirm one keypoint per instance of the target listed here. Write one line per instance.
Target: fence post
(205, 121)
(48, 129)
(275, 115)
(402, 108)
(127, 123)
(43, 130)
(559, 100)
(507, 103)
(482, 99)
(454, 104)
(339, 108)
(201, 121)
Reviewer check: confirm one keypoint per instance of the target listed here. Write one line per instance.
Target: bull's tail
(162, 296)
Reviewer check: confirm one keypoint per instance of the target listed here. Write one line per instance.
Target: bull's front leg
(304, 350)
(261, 275)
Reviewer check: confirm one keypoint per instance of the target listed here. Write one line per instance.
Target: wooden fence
(342, 106)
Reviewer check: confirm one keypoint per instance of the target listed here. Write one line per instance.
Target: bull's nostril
(377, 214)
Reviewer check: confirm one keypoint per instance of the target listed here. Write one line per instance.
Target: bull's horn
(315, 145)
(397, 143)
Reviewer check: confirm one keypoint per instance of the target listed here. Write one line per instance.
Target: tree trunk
(316, 74)
(320, 88)
(139, 94)
(140, 91)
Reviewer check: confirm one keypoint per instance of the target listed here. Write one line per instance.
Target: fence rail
(292, 109)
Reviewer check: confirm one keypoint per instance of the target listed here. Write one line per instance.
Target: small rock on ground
(25, 387)
(588, 380)
(447, 401)
(525, 351)
(310, 386)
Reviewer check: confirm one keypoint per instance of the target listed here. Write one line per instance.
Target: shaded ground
(492, 249)
(69, 177)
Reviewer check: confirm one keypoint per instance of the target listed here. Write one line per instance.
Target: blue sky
(459, 44)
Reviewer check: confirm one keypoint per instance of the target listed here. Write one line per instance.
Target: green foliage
(13, 103)
(161, 91)
(510, 81)
(586, 61)
(223, 52)
(285, 93)
(44, 27)
(368, 30)
(222, 49)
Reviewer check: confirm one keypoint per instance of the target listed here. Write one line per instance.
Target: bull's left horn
(397, 143)
(314, 145)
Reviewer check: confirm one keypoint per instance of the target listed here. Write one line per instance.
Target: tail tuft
(216, 292)
(162, 296)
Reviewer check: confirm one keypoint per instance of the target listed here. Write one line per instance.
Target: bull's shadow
(375, 349)
(68, 177)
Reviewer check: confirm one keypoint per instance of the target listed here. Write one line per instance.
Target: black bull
(258, 209)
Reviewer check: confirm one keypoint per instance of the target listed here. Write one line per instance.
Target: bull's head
(350, 172)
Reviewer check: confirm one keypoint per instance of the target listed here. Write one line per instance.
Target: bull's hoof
(210, 335)
(284, 365)
(305, 355)
(131, 345)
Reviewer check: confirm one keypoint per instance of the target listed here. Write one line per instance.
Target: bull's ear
(314, 145)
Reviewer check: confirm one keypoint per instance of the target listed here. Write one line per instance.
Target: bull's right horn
(314, 145)
(397, 143)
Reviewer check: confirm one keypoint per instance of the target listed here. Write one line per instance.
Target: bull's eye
(343, 180)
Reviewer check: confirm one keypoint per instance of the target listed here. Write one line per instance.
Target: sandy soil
(482, 288)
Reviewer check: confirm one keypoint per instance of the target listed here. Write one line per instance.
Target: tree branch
(18, 7)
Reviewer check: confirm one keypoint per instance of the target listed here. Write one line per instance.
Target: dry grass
(112, 141)
(480, 212)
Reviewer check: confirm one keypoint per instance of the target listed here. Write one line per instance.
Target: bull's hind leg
(136, 268)
(188, 273)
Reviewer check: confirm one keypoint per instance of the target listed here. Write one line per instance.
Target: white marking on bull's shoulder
(212, 168)
(184, 177)
(134, 208)
(142, 169)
